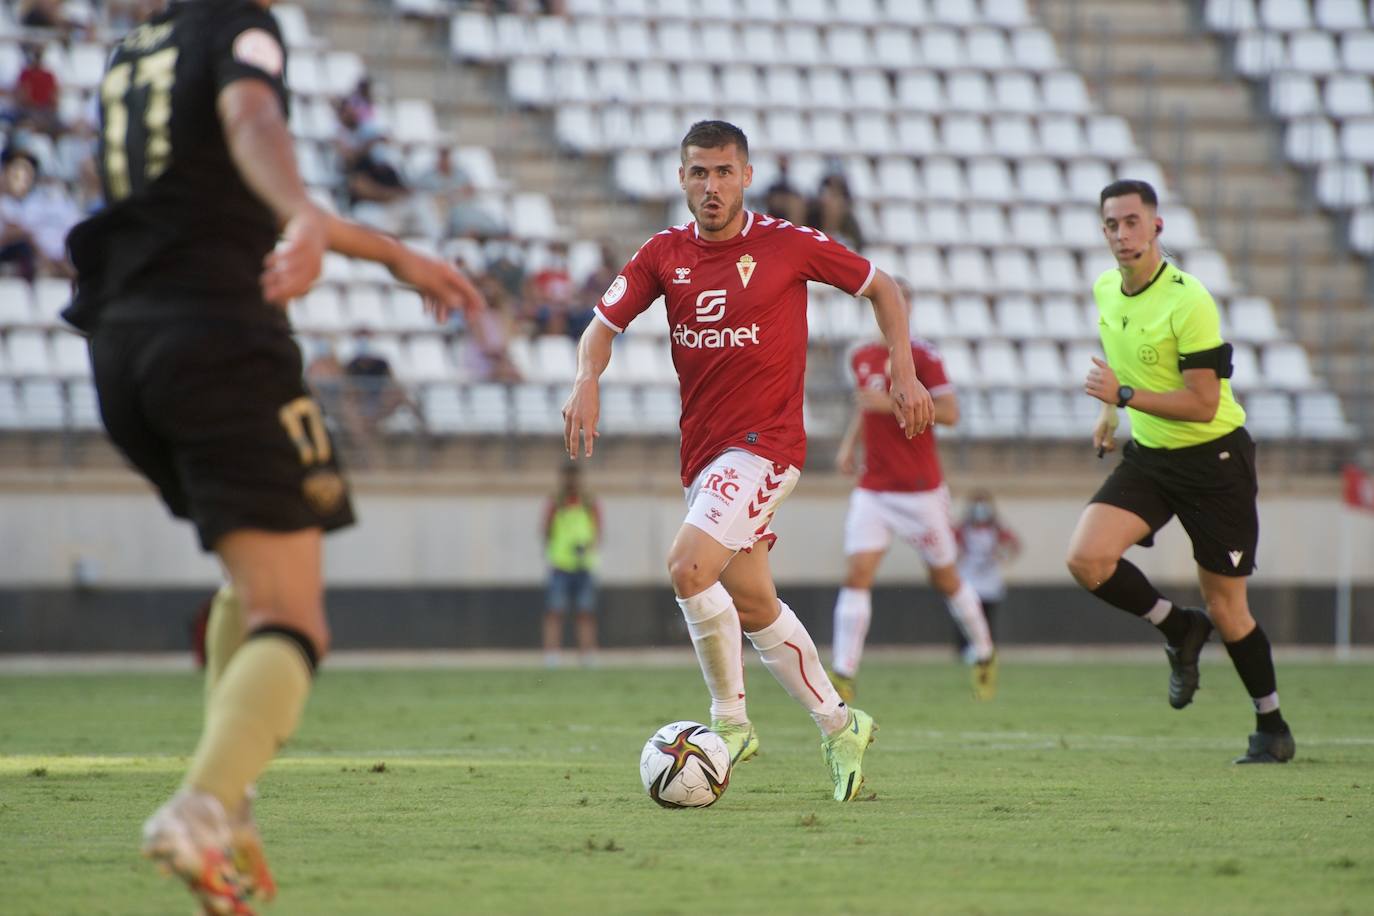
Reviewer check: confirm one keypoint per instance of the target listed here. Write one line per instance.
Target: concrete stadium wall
(107, 569)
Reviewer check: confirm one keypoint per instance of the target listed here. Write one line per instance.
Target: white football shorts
(921, 519)
(734, 497)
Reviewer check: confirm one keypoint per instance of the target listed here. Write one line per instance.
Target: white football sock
(853, 611)
(1163, 607)
(967, 610)
(790, 656)
(713, 624)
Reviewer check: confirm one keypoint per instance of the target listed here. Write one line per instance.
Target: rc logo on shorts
(1147, 355)
(323, 490)
(725, 484)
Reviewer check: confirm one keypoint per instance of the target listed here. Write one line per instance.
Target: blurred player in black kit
(182, 284)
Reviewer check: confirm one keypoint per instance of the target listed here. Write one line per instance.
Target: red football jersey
(892, 462)
(737, 317)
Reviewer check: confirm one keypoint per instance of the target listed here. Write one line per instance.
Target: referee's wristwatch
(1124, 395)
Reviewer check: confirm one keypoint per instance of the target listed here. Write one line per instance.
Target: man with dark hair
(182, 286)
(1189, 456)
(735, 286)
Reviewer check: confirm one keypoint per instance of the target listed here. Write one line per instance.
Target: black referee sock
(1129, 590)
(1254, 661)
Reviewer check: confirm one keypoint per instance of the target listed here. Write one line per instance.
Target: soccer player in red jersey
(901, 492)
(735, 286)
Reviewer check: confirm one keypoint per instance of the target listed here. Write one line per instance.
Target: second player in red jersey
(735, 287)
(901, 494)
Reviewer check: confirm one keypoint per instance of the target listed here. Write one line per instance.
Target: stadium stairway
(1159, 67)
(409, 57)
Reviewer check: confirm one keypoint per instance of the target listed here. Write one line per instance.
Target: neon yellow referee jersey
(1143, 336)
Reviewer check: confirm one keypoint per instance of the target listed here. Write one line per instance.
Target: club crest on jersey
(745, 265)
(684, 275)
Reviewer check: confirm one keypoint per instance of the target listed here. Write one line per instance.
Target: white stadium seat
(1284, 15)
(1343, 185)
(1340, 15)
(1320, 416)
(1231, 15)
(1312, 52)
(1349, 95)
(1268, 414)
(1285, 366)
(1294, 95)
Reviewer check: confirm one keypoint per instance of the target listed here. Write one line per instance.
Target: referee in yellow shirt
(1189, 456)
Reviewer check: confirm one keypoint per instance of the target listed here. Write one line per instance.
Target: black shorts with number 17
(1210, 487)
(216, 415)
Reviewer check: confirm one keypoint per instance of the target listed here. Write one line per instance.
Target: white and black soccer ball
(685, 765)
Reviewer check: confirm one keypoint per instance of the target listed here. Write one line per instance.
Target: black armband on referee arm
(1218, 359)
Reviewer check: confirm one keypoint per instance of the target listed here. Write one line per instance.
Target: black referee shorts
(1210, 487)
(216, 415)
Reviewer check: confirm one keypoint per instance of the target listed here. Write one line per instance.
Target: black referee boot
(1270, 747)
(1183, 673)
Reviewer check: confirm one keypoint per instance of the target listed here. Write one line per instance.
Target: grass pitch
(410, 793)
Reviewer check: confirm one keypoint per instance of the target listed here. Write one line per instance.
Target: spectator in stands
(832, 212)
(18, 170)
(485, 348)
(572, 530)
(50, 212)
(782, 199)
(35, 93)
(508, 271)
(359, 102)
(372, 394)
(42, 14)
(455, 200)
(328, 380)
(379, 196)
(549, 296)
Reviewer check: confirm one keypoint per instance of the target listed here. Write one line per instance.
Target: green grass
(1077, 791)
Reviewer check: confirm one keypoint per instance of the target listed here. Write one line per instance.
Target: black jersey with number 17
(181, 235)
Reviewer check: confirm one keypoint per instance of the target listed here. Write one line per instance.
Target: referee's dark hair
(1126, 186)
(714, 135)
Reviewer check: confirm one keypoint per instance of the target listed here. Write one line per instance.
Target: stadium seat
(1284, 15)
(968, 91)
(86, 65)
(1251, 320)
(1033, 225)
(1016, 92)
(1210, 267)
(1012, 270)
(294, 27)
(929, 318)
(1042, 365)
(619, 410)
(1245, 374)
(1080, 227)
(342, 70)
(893, 48)
(1361, 230)
(925, 269)
(1064, 90)
(1040, 180)
(1064, 319)
(1006, 13)
(1294, 95)
(1285, 366)
(957, 355)
(916, 135)
(662, 407)
(963, 135)
(920, 90)
(870, 89)
(848, 46)
(1309, 141)
(1349, 95)
(1013, 136)
(28, 353)
(944, 225)
(486, 408)
(533, 410)
(43, 404)
(942, 49)
(999, 365)
(802, 44)
(1018, 318)
(1357, 140)
(16, 303)
(1312, 52)
(989, 179)
(1268, 414)
(1033, 49)
(1320, 416)
(1258, 54)
(987, 225)
(970, 318)
(1006, 415)
(1340, 15)
(1110, 136)
(954, 12)
(1231, 15)
(1357, 52)
(426, 360)
(527, 81)
(968, 270)
(50, 297)
(83, 406)
(70, 356)
(11, 412)
(1050, 416)
(989, 48)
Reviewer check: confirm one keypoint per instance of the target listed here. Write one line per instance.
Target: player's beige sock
(253, 710)
(713, 624)
(790, 655)
(853, 611)
(223, 636)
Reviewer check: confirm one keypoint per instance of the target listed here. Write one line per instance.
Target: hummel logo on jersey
(711, 306)
(683, 275)
(710, 309)
(1235, 556)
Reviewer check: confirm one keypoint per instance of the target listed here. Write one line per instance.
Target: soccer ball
(685, 765)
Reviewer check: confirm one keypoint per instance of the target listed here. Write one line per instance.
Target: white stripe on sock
(1266, 703)
(1160, 611)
